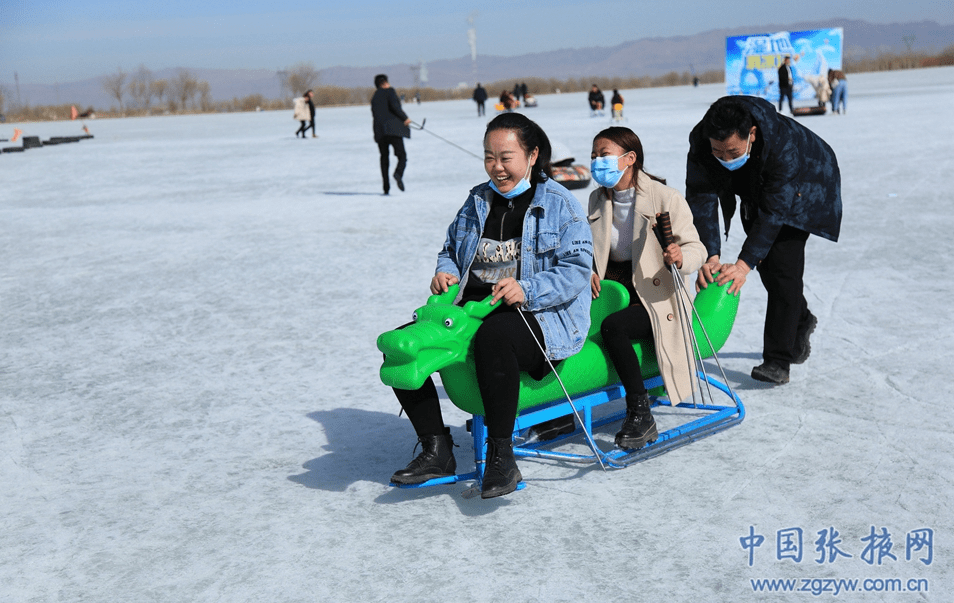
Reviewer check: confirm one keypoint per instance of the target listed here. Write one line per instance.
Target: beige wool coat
(651, 277)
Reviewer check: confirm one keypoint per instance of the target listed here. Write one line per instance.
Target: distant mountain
(645, 57)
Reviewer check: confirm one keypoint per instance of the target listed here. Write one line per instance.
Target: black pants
(782, 272)
(480, 108)
(302, 129)
(503, 346)
(782, 93)
(619, 329)
(310, 126)
(398, 143)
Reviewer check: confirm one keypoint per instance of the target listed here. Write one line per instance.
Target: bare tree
(298, 78)
(140, 88)
(205, 95)
(184, 88)
(158, 88)
(115, 85)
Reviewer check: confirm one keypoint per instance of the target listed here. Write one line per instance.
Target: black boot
(639, 427)
(436, 460)
(501, 474)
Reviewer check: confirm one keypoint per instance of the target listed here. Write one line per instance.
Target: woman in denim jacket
(524, 239)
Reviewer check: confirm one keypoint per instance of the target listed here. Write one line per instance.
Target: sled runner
(440, 341)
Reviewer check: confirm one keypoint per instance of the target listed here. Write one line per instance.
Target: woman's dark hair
(531, 136)
(627, 139)
(379, 80)
(725, 117)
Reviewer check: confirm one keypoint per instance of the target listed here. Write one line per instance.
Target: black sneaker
(803, 347)
(770, 372)
(400, 182)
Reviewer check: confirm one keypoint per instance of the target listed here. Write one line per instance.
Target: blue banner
(752, 61)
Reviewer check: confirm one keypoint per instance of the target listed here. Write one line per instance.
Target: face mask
(606, 172)
(738, 162)
(519, 189)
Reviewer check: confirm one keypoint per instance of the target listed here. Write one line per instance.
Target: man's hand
(705, 272)
(736, 273)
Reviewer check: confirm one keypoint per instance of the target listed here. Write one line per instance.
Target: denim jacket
(555, 261)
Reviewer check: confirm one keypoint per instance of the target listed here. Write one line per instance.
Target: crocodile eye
(414, 317)
(448, 322)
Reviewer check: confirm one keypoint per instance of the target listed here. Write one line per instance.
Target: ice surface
(190, 408)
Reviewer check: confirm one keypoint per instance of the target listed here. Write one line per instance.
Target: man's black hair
(379, 80)
(725, 117)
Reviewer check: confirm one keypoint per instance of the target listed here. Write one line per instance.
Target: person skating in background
(390, 129)
(597, 100)
(480, 97)
(788, 181)
(839, 89)
(302, 114)
(786, 82)
(309, 98)
(617, 104)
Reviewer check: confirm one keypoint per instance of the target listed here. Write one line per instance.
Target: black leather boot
(501, 474)
(436, 460)
(639, 427)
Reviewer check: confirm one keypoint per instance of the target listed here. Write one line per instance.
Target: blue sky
(59, 41)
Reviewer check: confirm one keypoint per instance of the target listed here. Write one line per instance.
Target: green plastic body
(441, 340)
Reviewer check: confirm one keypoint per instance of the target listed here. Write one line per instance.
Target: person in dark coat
(310, 96)
(789, 184)
(480, 97)
(597, 100)
(390, 129)
(786, 82)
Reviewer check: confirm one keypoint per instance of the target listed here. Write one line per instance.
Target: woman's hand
(595, 285)
(509, 290)
(673, 255)
(441, 282)
(705, 272)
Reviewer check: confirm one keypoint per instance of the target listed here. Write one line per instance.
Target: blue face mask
(519, 189)
(606, 172)
(738, 162)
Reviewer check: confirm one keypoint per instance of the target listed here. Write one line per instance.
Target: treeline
(890, 61)
(139, 93)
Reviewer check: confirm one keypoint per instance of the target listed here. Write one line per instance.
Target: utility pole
(472, 40)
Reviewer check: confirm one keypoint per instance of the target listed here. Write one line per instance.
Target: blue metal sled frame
(716, 419)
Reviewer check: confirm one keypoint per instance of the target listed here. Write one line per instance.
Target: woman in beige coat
(622, 215)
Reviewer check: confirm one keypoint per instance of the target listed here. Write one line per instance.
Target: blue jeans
(838, 96)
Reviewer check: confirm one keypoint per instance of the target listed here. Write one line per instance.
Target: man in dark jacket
(786, 82)
(789, 184)
(390, 129)
(480, 97)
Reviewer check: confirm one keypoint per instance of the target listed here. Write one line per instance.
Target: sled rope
(420, 126)
(589, 438)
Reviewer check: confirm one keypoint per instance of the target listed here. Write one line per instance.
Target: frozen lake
(190, 407)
